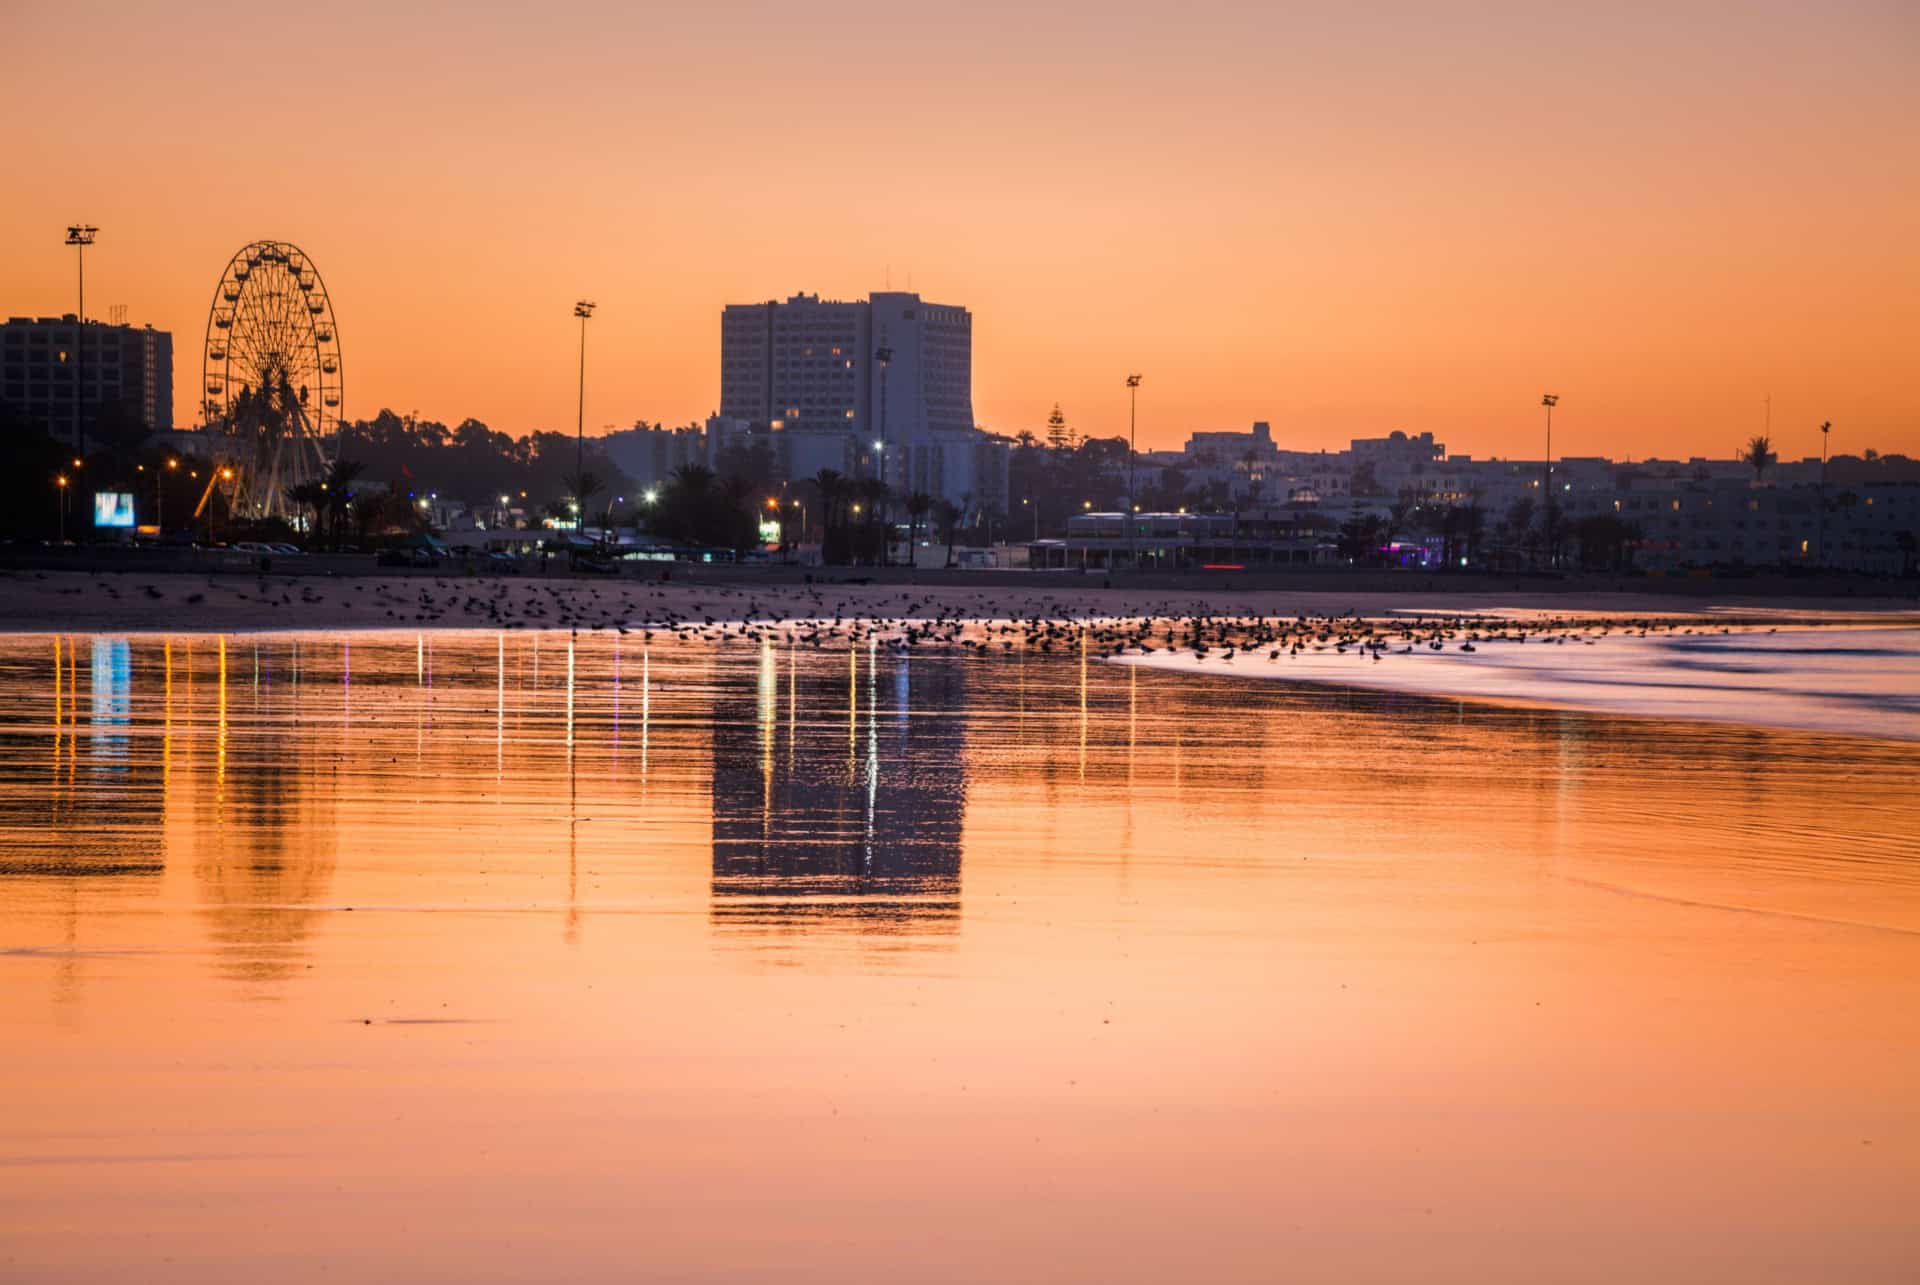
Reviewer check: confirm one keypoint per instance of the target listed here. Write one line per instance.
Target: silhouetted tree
(946, 520)
(919, 504)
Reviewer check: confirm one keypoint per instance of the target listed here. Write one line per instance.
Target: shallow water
(472, 957)
(1858, 681)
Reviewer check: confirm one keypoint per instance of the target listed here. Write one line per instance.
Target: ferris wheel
(272, 375)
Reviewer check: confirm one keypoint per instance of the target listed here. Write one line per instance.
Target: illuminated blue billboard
(113, 509)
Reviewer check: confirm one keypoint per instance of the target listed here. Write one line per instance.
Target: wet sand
(130, 602)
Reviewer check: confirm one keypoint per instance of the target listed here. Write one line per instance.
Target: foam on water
(1857, 681)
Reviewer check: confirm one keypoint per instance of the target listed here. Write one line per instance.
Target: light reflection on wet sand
(461, 956)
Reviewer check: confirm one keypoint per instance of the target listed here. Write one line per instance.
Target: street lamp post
(160, 495)
(225, 475)
(1133, 405)
(1548, 400)
(80, 236)
(60, 482)
(582, 309)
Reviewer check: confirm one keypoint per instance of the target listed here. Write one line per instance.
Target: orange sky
(1342, 224)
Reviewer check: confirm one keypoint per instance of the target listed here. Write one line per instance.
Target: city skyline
(1340, 226)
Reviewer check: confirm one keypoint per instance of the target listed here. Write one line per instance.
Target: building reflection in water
(81, 829)
(262, 832)
(839, 794)
(98, 814)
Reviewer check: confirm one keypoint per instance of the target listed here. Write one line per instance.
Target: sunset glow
(1339, 223)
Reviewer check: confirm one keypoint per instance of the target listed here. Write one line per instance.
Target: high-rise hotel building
(809, 371)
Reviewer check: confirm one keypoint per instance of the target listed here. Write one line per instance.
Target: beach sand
(132, 602)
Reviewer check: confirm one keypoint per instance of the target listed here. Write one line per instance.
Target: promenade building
(650, 454)
(121, 377)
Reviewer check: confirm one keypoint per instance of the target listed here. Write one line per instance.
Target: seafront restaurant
(1178, 541)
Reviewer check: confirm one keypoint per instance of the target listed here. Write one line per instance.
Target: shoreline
(58, 602)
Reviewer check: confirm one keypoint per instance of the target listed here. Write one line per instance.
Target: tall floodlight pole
(1826, 427)
(583, 309)
(1548, 400)
(1133, 407)
(882, 355)
(80, 236)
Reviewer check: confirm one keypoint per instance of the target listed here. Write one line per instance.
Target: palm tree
(1473, 523)
(1361, 538)
(1397, 515)
(946, 518)
(743, 523)
(834, 491)
(873, 494)
(919, 504)
(1758, 455)
(1519, 523)
(339, 491)
(831, 486)
(310, 495)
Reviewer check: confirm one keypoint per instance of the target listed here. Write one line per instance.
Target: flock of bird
(822, 617)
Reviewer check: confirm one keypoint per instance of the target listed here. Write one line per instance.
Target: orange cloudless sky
(1342, 219)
